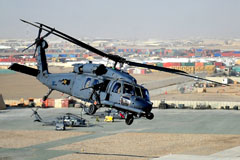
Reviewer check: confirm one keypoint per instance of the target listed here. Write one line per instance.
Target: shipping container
(167, 64)
(49, 55)
(130, 70)
(208, 63)
(227, 54)
(236, 68)
(217, 54)
(191, 54)
(63, 55)
(49, 102)
(65, 103)
(199, 64)
(72, 55)
(160, 64)
(199, 50)
(143, 71)
(218, 63)
(176, 64)
(188, 64)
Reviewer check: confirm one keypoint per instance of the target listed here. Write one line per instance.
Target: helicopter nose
(143, 104)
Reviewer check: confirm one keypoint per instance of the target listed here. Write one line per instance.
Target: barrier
(194, 104)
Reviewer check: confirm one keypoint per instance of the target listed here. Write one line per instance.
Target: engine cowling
(98, 69)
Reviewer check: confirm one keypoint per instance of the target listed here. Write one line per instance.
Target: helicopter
(97, 84)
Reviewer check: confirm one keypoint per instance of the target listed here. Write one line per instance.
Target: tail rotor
(38, 39)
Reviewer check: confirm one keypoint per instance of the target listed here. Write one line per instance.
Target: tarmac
(172, 134)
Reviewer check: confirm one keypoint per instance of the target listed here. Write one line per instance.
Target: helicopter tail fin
(41, 56)
(24, 69)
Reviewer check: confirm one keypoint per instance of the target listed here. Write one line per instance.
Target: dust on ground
(148, 145)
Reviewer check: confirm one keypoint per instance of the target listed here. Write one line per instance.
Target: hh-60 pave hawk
(95, 83)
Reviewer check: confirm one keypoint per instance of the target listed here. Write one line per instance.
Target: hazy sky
(125, 19)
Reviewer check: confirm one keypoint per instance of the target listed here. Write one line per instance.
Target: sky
(123, 19)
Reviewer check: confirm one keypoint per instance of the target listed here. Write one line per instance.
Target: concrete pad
(233, 152)
(229, 154)
(193, 157)
(154, 144)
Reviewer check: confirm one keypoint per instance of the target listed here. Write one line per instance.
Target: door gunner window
(128, 89)
(116, 88)
(87, 83)
(95, 82)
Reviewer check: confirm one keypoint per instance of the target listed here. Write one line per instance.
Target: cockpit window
(145, 94)
(128, 89)
(138, 92)
(117, 88)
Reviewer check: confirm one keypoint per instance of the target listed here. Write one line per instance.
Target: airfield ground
(172, 134)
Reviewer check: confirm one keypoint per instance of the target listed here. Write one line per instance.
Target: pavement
(229, 154)
(167, 122)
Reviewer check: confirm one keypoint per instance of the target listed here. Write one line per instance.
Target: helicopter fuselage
(119, 90)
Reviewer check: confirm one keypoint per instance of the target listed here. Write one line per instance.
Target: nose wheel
(129, 119)
(149, 116)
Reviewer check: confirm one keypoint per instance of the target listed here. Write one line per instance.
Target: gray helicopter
(95, 83)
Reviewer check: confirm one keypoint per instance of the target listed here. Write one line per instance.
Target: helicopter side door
(104, 89)
(116, 92)
(80, 89)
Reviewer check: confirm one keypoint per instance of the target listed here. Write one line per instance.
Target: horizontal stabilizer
(24, 69)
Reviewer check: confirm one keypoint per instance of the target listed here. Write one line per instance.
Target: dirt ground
(221, 93)
(149, 145)
(19, 138)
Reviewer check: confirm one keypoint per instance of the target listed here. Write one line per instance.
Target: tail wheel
(129, 119)
(150, 116)
(92, 109)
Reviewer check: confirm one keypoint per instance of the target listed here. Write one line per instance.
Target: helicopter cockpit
(128, 94)
(136, 90)
(127, 89)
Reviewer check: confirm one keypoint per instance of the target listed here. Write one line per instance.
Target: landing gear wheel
(150, 116)
(129, 119)
(91, 109)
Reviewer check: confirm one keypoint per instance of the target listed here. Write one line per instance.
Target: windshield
(145, 94)
(128, 89)
(136, 90)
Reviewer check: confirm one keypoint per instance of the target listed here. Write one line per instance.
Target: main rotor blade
(169, 70)
(115, 58)
(47, 30)
(78, 42)
(191, 76)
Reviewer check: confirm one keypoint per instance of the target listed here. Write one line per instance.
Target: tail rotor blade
(29, 46)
